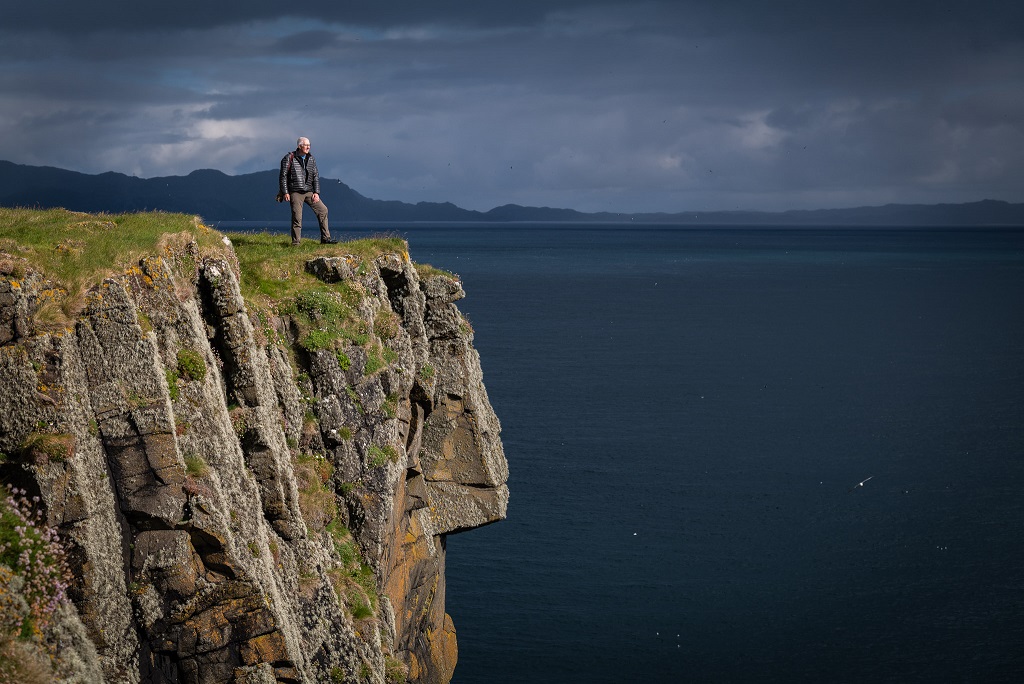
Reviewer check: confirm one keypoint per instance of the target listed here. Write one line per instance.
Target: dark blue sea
(687, 415)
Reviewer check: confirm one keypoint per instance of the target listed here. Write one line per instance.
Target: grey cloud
(305, 42)
(592, 105)
(66, 16)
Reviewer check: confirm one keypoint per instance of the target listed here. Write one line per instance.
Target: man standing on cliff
(300, 184)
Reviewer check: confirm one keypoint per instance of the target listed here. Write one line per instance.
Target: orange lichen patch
(57, 390)
(444, 649)
(268, 648)
(154, 267)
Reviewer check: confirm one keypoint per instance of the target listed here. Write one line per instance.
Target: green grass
(196, 466)
(172, 383)
(319, 339)
(326, 315)
(354, 396)
(374, 361)
(77, 251)
(272, 271)
(191, 364)
(386, 325)
(344, 544)
(31, 549)
(390, 405)
(381, 455)
(428, 271)
(274, 280)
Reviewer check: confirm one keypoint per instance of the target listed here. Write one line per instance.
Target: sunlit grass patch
(274, 281)
(272, 270)
(381, 455)
(195, 466)
(427, 271)
(76, 251)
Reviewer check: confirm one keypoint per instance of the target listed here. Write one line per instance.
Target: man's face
(304, 146)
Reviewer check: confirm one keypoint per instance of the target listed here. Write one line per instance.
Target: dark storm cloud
(594, 105)
(76, 17)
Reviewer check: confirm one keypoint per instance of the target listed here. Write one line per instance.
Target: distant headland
(217, 196)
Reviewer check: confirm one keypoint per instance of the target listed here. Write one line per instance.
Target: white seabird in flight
(861, 483)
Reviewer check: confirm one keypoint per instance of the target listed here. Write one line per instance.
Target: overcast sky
(668, 105)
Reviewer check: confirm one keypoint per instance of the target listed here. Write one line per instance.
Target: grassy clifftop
(75, 251)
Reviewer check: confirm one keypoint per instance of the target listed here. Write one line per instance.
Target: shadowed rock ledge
(238, 507)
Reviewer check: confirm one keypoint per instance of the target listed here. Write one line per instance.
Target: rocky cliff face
(238, 508)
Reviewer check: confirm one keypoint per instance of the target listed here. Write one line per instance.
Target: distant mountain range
(219, 197)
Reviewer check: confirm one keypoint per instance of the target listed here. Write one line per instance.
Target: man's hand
(316, 197)
(287, 197)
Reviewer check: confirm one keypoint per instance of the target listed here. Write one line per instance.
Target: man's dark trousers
(319, 208)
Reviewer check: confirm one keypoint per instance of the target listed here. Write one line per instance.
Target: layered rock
(236, 507)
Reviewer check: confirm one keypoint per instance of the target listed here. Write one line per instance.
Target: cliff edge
(248, 489)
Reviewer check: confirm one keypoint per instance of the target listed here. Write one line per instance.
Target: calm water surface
(685, 412)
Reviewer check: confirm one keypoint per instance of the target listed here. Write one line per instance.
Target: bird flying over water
(861, 483)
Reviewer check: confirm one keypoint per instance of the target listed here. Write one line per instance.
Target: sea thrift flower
(32, 565)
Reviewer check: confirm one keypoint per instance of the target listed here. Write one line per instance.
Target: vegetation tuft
(195, 466)
(427, 371)
(43, 447)
(427, 271)
(172, 383)
(191, 365)
(395, 670)
(381, 455)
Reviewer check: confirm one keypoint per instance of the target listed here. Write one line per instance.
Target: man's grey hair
(298, 143)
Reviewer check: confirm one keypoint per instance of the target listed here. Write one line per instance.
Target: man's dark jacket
(299, 177)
